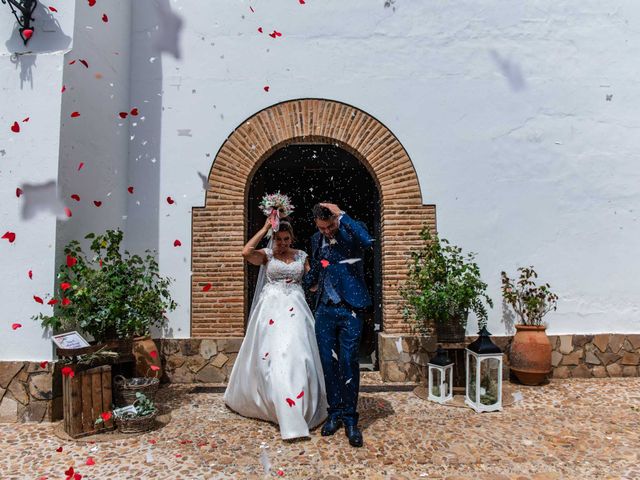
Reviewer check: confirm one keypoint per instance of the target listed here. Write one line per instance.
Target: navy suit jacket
(348, 279)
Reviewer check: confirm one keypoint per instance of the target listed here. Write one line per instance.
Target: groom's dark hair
(321, 213)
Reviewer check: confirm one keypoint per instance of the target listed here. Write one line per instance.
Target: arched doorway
(219, 228)
(310, 173)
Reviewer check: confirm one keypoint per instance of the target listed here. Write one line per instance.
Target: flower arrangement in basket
(137, 418)
(126, 390)
(276, 206)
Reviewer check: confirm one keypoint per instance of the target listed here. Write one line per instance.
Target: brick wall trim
(219, 227)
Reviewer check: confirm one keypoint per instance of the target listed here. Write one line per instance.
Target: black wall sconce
(23, 15)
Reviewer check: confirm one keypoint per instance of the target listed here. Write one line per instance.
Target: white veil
(262, 277)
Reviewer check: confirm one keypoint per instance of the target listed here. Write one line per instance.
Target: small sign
(70, 340)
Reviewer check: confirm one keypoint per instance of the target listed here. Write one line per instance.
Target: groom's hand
(333, 208)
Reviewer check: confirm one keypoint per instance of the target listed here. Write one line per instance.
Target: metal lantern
(483, 360)
(22, 10)
(440, 377)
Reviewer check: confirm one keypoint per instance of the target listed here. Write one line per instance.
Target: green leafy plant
(528, 300)
(443, 285)
(142, 407)
(111, 295)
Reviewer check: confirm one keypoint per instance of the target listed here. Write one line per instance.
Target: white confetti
(266, 463)
(350, 261)
(41, 198)
(334, 355)
(517, 396)
(348, 381)
(399, 344)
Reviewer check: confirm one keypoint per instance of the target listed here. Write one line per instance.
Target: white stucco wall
(30, 85)
(520, 119)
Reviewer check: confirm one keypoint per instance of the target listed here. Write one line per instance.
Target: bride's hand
(267, 225)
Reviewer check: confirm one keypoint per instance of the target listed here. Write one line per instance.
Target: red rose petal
(28, 33)
(290, 402)
(105, 416)
(271, 322)
(301, 394)
(130, 189)
(77, 476)
(154, 354)
(324, 263)
(53, 9)
(206, 288)
(69, 472)
(65, 285)
(38, 299)
(123, 114)
(9, 236)
(15, 128)
(184, 442)
(260, 29)
(251, 8)
(15, 326)
(280, 473)
(80, 165)
(134, 112)
(105, 19)
(177, 243)
(152, 441)
(97, 203)
(71, 261)
(72, 62)
(155, 368)
(170, 201)
(44, 364)
(53, 301)
(64, 87)
(30, 273)
(90, 461)
(26, 119)
(291, 309)
(178, 455)
(84, 62)
(266, 88)
(76, 197)
(19, 192)
(66, 302)
(301, 2)
(68, 212)
(92, 3)
(68, 372)
(59, 449)
(75, 114)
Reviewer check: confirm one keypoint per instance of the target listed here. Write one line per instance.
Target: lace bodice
(285, 273)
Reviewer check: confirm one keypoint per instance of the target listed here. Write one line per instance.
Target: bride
(277, 375)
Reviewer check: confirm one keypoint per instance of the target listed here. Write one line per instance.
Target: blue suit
(340, 299)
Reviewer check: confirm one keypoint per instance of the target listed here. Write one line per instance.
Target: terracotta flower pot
(148, 362)
(530, 356)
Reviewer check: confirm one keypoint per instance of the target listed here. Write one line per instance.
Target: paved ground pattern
(566, 429)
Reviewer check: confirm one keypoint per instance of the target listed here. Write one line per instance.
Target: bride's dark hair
(285, 226)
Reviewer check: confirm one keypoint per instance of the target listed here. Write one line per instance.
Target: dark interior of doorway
(312, 173)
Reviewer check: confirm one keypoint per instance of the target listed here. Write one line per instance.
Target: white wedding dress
(277, 375)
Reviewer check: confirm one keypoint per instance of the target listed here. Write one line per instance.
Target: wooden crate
(85, 396)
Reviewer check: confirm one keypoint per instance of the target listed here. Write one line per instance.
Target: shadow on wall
(142, 225)
(48, 37)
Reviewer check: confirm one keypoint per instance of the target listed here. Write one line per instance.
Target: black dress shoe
(354, 434)
(331, 426)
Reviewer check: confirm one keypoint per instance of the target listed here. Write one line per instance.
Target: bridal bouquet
(275, 206)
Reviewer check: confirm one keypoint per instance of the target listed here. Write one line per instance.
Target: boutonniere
(333, 241)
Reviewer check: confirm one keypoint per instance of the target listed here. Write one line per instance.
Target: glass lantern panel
(437, 377)
(447, 381)
(489, 381)
(471, 372)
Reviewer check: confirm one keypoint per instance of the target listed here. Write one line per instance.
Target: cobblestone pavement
(566, 429)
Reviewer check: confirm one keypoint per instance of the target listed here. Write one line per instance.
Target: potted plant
(443, 286)
(111, 296)
(530, 355)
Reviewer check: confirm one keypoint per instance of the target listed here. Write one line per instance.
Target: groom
(337, 257)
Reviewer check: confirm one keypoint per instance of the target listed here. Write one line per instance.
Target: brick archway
(219, 227)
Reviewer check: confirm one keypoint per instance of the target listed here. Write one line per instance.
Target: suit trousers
(338, 332)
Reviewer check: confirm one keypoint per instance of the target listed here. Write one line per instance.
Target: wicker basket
(126, 389)
(136, 424)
